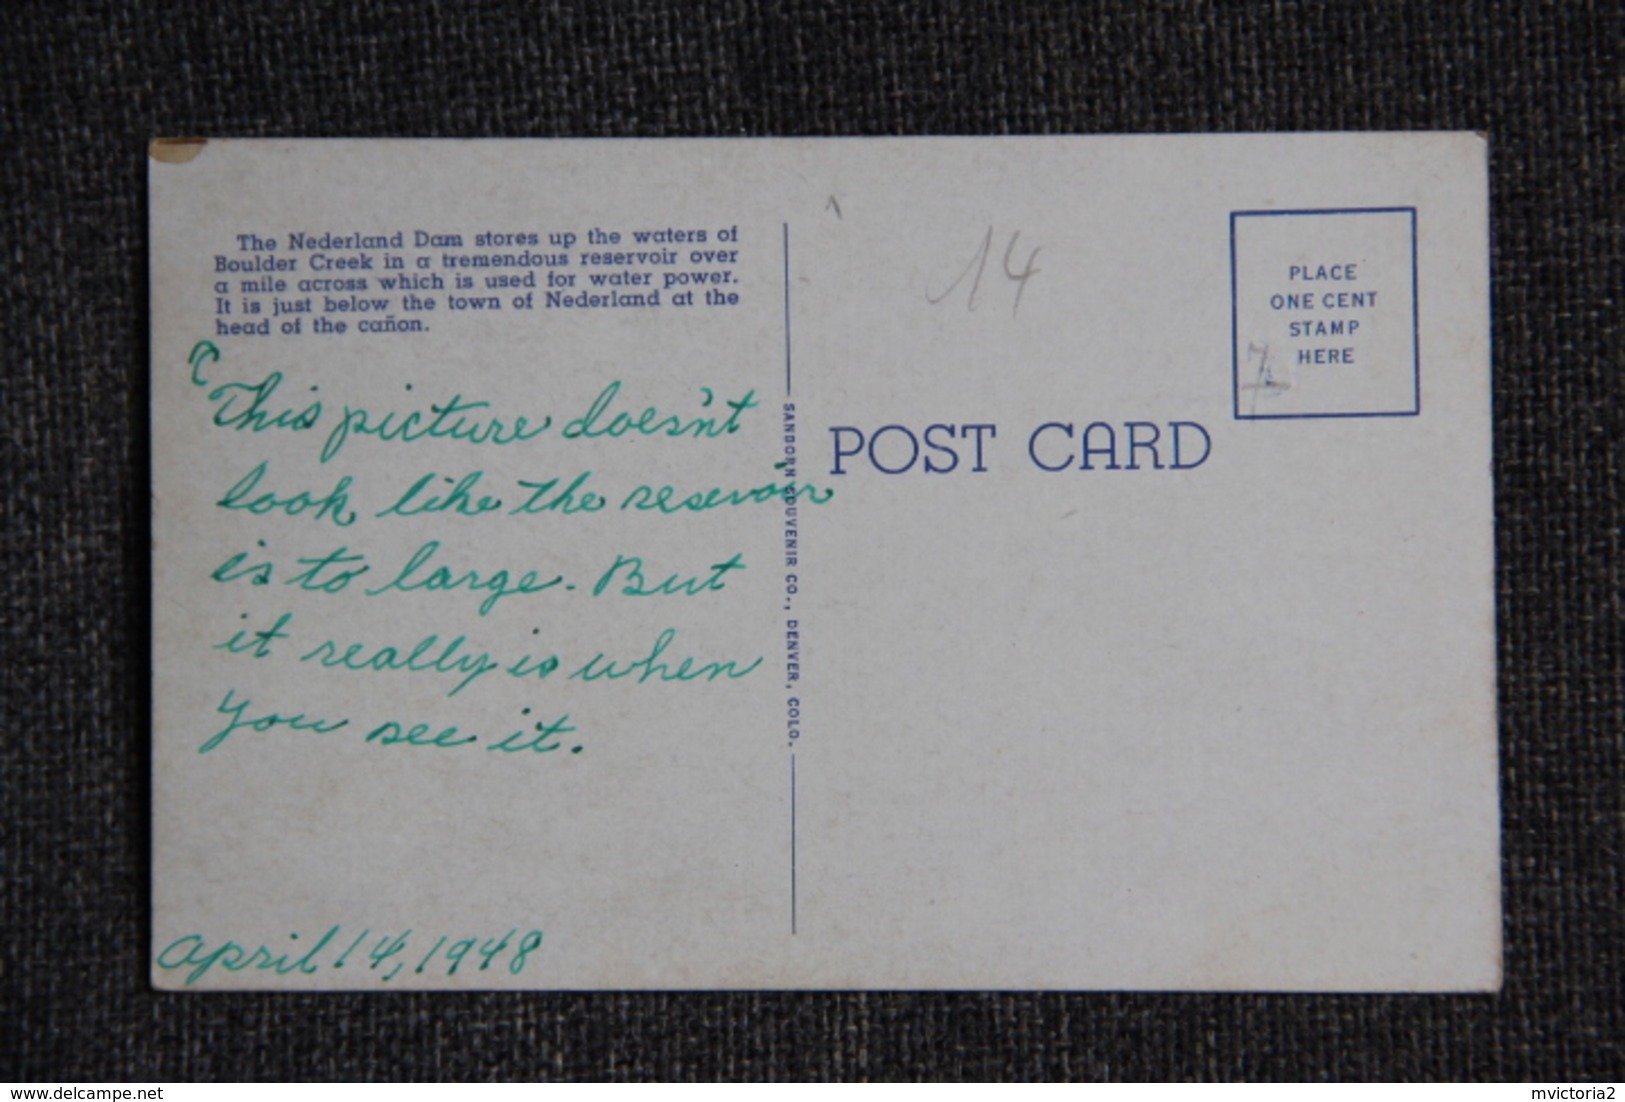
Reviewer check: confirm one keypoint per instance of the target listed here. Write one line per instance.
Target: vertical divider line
(792, 843)
(788, 385)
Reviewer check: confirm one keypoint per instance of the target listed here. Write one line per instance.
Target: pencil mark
(978, 265)
(1264, 382)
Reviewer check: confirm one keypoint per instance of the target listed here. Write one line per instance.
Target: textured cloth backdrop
(85, 86)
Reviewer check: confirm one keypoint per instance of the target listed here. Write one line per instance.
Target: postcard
(967, 563)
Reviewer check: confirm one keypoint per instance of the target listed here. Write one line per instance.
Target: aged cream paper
(967, 563)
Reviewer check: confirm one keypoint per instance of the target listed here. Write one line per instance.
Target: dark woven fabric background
(85, 86)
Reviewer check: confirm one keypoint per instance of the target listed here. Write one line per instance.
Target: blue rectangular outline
(1235, 321)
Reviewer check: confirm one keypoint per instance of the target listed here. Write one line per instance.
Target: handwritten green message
(378, 954)
(354, 536)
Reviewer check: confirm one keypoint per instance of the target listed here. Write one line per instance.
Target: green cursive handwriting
(651, 667)
(597, 422)
(245, 495)
(450, 420)
(241, 721)
(416, 575)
